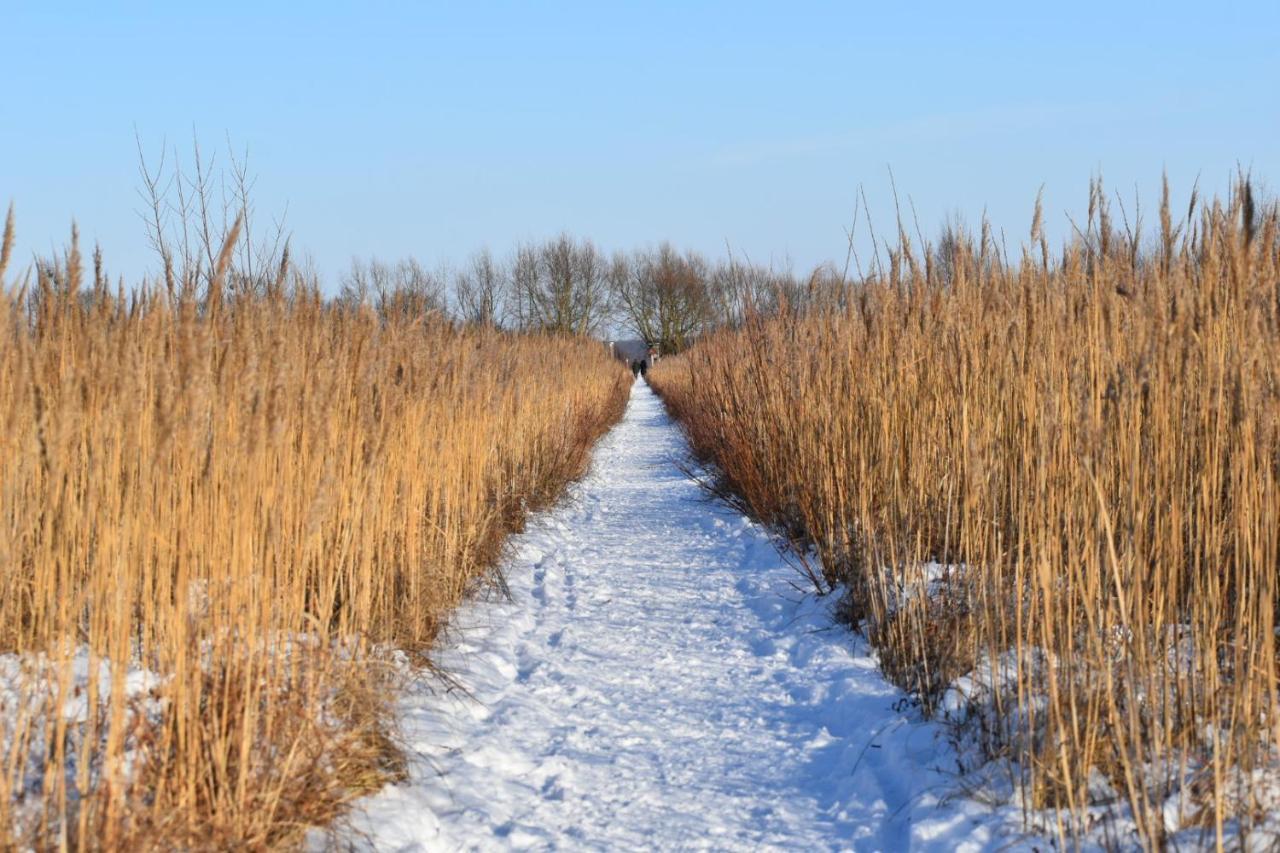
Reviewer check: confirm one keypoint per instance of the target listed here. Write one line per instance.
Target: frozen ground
(659, 680)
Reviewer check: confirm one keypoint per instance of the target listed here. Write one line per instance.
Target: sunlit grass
(253, 497)
(1087, 444)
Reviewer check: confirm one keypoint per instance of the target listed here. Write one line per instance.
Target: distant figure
(635, 368)
(644, 367)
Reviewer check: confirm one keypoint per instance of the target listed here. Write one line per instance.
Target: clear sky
(430, 129)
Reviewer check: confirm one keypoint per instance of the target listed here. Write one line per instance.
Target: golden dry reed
(247, 496)
(1081, 450)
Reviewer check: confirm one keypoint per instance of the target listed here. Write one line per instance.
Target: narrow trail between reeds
(659, 679)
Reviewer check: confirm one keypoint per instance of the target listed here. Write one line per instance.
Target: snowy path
(656, 681)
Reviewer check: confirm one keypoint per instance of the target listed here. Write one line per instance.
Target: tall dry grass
(1058, 472)
(244, 499)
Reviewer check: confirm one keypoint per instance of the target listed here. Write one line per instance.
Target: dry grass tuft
(247, 498)
(1087, 448)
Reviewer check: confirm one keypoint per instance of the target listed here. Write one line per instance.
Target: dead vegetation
(1083, 447)
(244, 495)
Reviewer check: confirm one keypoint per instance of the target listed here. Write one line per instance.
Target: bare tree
(664, 296)
(561, 286)
(190, 214)
(525, 280)
(478, 290)
(740, 289)
(405, 289)
(263, 253)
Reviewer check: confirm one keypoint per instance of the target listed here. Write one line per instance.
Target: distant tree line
(201, 222)
(213, 247)
(662, 295)
(202, 225)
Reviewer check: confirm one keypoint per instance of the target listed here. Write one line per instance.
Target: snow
(36, 691)
(659, 678)
(1107, 820)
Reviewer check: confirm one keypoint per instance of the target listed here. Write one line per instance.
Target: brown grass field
(253, 497)
(1082, 449)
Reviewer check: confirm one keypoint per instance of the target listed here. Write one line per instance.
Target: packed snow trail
(660, 679)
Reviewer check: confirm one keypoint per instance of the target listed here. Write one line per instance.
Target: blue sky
(430, 129)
